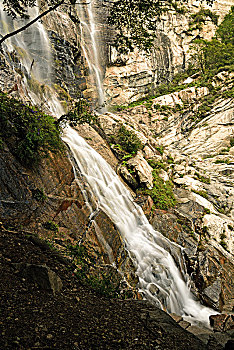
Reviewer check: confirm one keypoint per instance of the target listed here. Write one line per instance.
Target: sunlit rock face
(129, 77)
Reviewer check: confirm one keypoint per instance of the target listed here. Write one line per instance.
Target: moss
(202, 178)
(220, 161)
(223, 244)
(160, 149)
(202, 193)
(156, 165)
(51, 226)
(85, 258)
(39, 195)
(161, 193)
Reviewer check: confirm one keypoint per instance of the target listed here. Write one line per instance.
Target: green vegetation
(218, 53)
(79, 114)
(161, 193)
(160, 149)
(39, 195)
(208, 59)
(29, 133)
(206, 211)
(202, 178)
(199, 18)
(222, 240)
(51, 226)
(202, 193)
(220, 161)
(127, 141)
(136, 22)
(156, 164)
(103, 282)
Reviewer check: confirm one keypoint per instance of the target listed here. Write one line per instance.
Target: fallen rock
(42, 275)
(142, 169)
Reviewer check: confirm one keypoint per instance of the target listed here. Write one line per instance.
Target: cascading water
(91, 49)
(32, 46)
(160, 279)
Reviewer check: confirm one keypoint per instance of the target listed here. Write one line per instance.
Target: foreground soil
(75, 317)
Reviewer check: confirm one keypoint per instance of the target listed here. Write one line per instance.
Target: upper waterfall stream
(162, 281)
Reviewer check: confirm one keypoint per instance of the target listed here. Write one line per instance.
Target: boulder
(42, 275)
(142, 169)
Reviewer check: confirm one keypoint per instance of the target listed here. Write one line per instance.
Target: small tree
(81, 113)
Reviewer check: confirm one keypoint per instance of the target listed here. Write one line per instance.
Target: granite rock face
(195, 160)
(130, 77)
(62, 204)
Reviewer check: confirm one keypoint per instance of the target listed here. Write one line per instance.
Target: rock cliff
(194, 155)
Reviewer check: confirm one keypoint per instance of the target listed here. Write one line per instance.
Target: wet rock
(176, 317)
(202, 333)
(212, 293)
(184, 324)
(222, 322)
(146, 203)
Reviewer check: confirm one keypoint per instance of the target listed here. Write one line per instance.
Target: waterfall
(91, 50)
(32, 46)
(161, 280)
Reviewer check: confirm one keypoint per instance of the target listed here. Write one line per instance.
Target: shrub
(39, 195)
(79, 114)
(29, 133)
(161, 193)
(50, 225)
(128, 140)
(101, 281)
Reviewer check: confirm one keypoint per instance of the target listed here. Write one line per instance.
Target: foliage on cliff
(29, 133)
(137, 21)
(218, 53)
(161, 193)
(80, 113)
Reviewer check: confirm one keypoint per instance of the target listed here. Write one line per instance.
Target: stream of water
(159, 263)
(91, 49)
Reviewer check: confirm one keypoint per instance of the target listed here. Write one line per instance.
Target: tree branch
(52, 8)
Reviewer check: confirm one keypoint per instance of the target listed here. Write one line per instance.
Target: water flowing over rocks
(201, 222)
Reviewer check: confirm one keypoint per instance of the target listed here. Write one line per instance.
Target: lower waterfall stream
(161, 280)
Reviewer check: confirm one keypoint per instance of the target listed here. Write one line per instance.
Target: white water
(160, 279)
(90, 47)
(32, 46)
